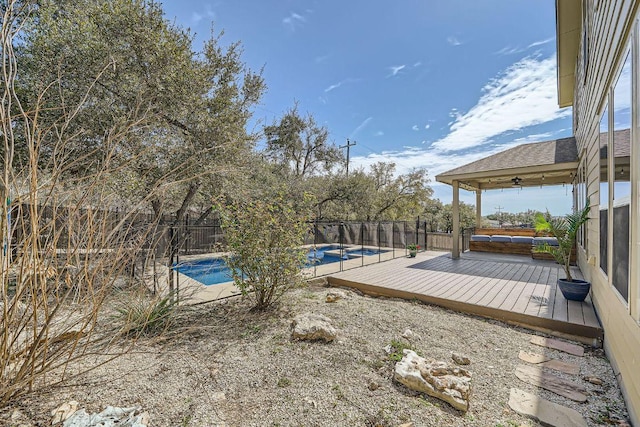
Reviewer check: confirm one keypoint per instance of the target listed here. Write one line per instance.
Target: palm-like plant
(564, 230)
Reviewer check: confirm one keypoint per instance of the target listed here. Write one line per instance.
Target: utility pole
(348, 146)
(499, 209)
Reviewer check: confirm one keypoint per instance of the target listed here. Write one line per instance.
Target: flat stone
(546, 362)
(548, 413)
(535, 375)
(313, 327)
(574, 349)
(435, 378)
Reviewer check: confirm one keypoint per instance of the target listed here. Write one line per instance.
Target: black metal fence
(148, 239)
(348, 244)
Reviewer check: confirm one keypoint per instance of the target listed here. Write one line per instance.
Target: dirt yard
(223, 365)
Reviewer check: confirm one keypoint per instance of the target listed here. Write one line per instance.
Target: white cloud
(537, 137)
(395, 69)
(427, 126)
(340, 83)
(322, 58)
(417, 64)
(523, 95)
(332, 87)
(293, 20)
(414, 157)
(196, 17)
(379, 133)
(541, 42)
(453, 41)
(361, 126)
(415, 127)
(510, 50)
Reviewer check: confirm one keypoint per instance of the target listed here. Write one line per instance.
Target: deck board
(525, 292)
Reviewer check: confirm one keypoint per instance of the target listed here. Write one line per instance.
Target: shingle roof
(556, 151)
(621, 145)
(540, 163)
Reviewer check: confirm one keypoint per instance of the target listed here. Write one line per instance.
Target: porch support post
(478, 208)
(455, 251)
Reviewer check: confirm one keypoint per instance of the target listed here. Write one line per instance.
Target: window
(604, 188)
(619, 178)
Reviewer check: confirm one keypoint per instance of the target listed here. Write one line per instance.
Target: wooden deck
(516, 290)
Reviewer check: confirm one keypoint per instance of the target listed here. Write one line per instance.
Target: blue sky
(433, 84)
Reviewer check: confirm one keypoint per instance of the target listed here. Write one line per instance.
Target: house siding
(609, 26)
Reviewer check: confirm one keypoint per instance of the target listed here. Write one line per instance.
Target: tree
(432, 214)
(398, 197)
(467, 216)
(61, 260)
(190, 109)
(299, 147)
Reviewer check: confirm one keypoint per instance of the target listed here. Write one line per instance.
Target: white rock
(110, 417)
(409, 335)
(313, 327)
(437, 379)
(335, 295)
(64, 411)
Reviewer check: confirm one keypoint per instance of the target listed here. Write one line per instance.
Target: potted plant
(413, 250)
(564, 229)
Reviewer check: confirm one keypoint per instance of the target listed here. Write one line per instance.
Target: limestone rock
(313, 327)
(335, 295)
(64, 411)
(436, 378)
(110, 417)
(409, 335)
(460, 359)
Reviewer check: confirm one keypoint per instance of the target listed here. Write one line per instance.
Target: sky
(421, 83)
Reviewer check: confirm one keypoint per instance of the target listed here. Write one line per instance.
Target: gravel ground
(223, 365)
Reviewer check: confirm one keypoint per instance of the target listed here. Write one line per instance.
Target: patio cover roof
(540, 163)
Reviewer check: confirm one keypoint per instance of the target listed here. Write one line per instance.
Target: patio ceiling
(542, 163)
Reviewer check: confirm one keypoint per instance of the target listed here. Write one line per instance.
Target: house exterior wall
(608, 28)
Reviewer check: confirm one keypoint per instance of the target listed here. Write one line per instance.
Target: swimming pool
(212, 271)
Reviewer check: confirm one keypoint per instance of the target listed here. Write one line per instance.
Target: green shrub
(265, 240)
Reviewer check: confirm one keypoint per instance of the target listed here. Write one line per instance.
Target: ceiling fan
(516, 182)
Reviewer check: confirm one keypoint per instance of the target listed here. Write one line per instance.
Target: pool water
(366, 252)
(212, 271)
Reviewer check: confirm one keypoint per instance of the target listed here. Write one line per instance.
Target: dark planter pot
(413, 254)
(576, 290)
